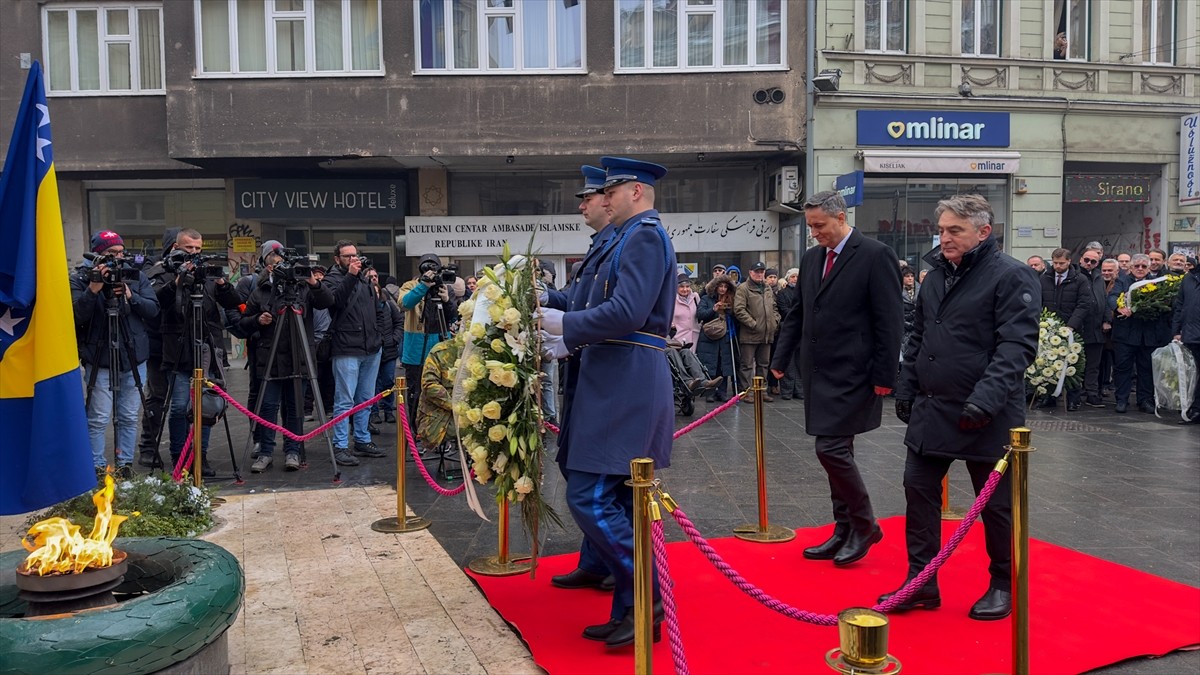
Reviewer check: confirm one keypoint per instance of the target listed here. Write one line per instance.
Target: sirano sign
(1107, 188)
(1189, 163)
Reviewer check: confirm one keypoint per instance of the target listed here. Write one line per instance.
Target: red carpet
(1085, 612)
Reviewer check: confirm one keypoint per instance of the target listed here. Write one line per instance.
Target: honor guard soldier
(615, 328)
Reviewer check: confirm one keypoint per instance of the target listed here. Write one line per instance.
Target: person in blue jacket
(615, 329)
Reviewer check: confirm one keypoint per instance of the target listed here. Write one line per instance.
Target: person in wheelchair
(686, 368)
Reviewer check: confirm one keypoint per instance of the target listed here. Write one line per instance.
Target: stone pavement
(325, 591)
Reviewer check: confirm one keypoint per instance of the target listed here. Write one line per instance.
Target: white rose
(524, 485)
(1070, 371)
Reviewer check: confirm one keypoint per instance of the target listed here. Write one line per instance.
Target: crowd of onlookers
(171, 316)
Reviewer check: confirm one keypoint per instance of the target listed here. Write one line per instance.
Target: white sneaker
(261, 463)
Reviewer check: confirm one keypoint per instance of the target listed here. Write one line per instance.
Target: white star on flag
(8, 323)
(43, 142)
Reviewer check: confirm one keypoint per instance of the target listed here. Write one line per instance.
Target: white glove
(552, 320)
(554, 347)
(543, 298)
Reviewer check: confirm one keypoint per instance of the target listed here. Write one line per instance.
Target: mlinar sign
(930, 128)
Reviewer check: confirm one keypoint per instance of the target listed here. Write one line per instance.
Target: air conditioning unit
(783, 190)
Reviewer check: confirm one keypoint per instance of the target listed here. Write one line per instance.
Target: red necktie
(829, 258)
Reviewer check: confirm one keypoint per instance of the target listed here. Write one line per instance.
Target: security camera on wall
(783, 190)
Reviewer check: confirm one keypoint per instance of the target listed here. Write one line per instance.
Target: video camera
(444, 274)
(117, 269)
(202, 265)
(294, 266)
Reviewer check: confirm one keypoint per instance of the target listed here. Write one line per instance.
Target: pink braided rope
(899, 597)
(296, 437)
(412, 448)
(668, 595)
(733, 400)
(185, 458)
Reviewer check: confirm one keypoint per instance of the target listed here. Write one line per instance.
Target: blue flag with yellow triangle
(45, 456)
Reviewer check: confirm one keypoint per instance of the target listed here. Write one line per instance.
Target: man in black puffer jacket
(356, 346)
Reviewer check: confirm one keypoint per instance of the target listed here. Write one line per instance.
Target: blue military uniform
(619, 310)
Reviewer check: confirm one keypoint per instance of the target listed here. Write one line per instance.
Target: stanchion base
(835, 659)
(492, 567)
(217, 501)
(774, 534)
(394, 525)
(952, 513)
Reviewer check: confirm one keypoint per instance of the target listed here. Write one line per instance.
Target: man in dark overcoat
(847, 324)
(615, 328)
(1066, 293)
(1135, 337)
(962, 387)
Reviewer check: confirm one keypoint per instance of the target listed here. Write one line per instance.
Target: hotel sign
(933, 128)
(1112, 188)
(375, 199)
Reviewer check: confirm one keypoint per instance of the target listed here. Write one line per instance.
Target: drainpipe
(810, 71)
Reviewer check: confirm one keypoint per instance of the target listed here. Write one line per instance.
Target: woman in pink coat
(687, 330)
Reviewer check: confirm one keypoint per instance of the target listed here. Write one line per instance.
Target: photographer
(355, 345)
(105, 282)
(286, 284)
(391, 331)
(429, 308)
(156, 393)
(188, 272)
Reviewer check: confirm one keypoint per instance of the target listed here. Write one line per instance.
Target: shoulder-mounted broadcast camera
(117, 269)
(442, 274)
(293, 266)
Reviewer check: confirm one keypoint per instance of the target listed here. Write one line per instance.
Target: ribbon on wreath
(1136, 285)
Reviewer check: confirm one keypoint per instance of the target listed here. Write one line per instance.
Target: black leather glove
(973, 417)
(903, 410)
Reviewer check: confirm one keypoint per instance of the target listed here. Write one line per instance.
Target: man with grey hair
(1135, 336)
(846, 324)
(1092, 330)
(962, 387)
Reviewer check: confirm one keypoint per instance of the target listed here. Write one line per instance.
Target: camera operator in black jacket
(185, 275)
(104, 282)
(281, 287)
(155, 401)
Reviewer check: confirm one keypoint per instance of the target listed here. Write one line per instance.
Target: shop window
(286, 38)
(704, 35)
(886, 25)
(141, 216)
(490, 36)
(103, 49)
(1158, 31)
(1070, 40)
(981, 27)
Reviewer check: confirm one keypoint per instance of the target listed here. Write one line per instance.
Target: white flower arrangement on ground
(1056, 352)
(496, 393)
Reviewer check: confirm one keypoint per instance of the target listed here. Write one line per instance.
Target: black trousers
(1195, 407)
(923, 492)
(156, 400)
(412, 376)
(851, 503)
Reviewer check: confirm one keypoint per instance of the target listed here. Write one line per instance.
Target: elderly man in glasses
(1135, 336)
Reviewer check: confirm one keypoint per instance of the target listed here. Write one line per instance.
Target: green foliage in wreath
(156, 505)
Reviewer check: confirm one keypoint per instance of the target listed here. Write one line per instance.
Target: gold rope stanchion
(197, 427)
(642, 472)
(500, 565)
(863, 644)
(949, 512)
(1020, 449)
(763, 532)
(402, 522)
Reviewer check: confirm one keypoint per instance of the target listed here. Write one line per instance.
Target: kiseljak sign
(930, 128)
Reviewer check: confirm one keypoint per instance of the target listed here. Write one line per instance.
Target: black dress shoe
(857, 545)
(1146, 408)
(609, 583)
(372, 429)
(622, 634)
(926, 597)
(1072, 407)
(1121, 407)
(578, 578)
(995, 604)
(827, 549)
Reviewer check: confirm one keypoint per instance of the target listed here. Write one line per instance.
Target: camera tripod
(120, 343)
(289, 315)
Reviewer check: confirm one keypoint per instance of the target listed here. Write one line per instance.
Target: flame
(59, 548)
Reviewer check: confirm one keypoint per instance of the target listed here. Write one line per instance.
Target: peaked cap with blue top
(593, 181)
(623, 170)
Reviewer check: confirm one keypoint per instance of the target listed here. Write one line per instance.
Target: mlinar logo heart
(895, 129)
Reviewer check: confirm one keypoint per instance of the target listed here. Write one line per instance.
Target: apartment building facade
(1071, 116)
(412, 126)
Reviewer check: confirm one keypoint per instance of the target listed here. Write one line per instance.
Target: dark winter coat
(1133, 330)
(847, 327)
(175, 322)
(970, 344)
(354, 326)
(715, 355)
(91, 319)
(1071, 300)
(265, 298)
(1185, 320)
(391, 324)
(1092, 330)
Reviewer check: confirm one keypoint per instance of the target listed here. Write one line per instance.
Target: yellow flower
(497, 433)
(524, 485)
(498, 346)
(496, 312)
(467, 308)
(491, 410)
(503, 377)
(512, 315)
(477, 330)
(469, 384)
(1148, 288)
(474, 415)
(500, 463)
(479, 453)
(492, 292)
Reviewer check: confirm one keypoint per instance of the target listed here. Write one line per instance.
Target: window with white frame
(886, 25)
(498, 36)
(1071, 34)
(103, 49)
(700, 34)
(981, 27)
(1158, 31)
(284, 38)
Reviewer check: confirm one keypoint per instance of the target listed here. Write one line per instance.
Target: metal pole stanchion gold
(949, 512)
(197, 427)
(642, 472)
(402, 522)
(500, 565)
(1020, 448)
(763, 532)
